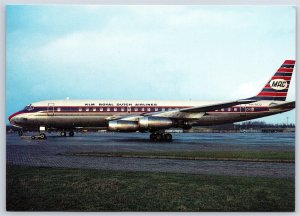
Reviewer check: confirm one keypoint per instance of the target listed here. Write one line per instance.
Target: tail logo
(278, 84)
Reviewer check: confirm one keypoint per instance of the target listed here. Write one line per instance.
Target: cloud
(148, 52)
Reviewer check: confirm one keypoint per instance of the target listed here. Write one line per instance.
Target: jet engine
(185, 125)
(147, 123)
(123, 126)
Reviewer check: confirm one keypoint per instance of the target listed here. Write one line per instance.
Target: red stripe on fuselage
(15, 114)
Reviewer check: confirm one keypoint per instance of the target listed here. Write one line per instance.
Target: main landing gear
(160, 137)
(64, 133)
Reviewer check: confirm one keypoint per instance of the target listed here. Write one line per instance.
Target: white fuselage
(68, 114)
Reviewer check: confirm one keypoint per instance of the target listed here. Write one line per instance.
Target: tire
(168, 137)
(43, 136)
(63, 133)
(159, 137)
(71, 133)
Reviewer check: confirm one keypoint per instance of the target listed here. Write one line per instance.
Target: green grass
(276, 156)
(62, 189)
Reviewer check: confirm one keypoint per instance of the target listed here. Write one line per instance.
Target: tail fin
(277, 87)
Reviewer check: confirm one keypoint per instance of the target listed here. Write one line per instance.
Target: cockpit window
(29, 107)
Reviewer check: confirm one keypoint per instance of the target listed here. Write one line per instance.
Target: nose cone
(12, 118)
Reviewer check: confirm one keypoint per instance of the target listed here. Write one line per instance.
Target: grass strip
(63, 189)
(276, 157)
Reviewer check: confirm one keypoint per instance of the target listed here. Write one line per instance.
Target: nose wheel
(20, 132)
(161, 137)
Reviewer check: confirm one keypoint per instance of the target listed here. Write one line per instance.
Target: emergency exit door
(50, 109)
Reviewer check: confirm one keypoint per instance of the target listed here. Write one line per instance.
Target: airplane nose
(12, 117)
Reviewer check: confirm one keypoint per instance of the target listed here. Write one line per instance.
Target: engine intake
(123, 126)
(150, 122)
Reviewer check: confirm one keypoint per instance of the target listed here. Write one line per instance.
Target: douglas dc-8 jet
(154, 116)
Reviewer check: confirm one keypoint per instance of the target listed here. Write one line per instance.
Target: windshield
(29, 107)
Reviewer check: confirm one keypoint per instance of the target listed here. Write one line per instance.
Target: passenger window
(108, 109)
(235, 109)
(94, 109)
(101, 109)
(156, 109)
(115, 109)
(229, 109)
(136, 109)
(122, 109)
(87, 109)
(148, 109)
(143, 109)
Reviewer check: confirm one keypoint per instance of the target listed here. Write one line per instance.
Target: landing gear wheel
(43, 136)
(168, 137)
(71, 133)
(63, 133)
(159, 137)
(20, 132)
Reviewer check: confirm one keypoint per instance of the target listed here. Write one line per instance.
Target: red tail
(277, 87)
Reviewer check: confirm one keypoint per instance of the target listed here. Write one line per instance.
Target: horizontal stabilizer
(288, 105)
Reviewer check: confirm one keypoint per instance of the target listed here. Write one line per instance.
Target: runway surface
(50, 152)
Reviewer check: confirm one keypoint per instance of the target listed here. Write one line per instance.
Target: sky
(145, 52)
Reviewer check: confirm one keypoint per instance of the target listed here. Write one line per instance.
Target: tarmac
(52, 152)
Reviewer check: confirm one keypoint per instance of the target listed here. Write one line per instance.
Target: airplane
(154, 116)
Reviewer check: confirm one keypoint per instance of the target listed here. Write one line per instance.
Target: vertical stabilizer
(277, 87)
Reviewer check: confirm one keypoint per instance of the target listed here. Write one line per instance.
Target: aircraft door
(50, 109)
(243, 110)
(128, 109)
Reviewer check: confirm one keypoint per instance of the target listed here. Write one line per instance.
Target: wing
(217, 106)
(185, 113)
(199, 111)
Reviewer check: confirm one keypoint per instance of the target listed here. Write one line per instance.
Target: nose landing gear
(20, 132)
